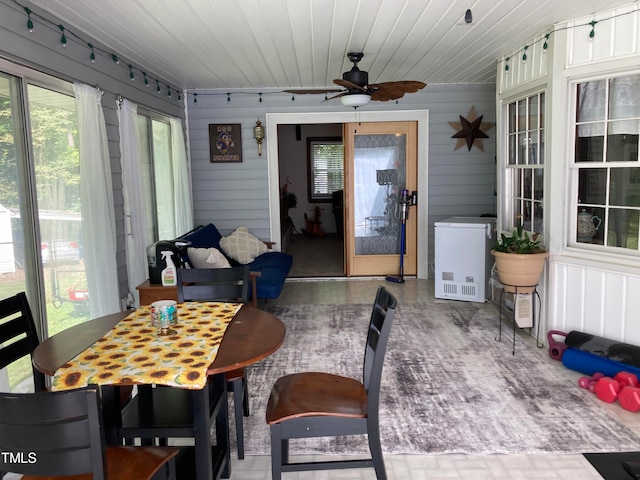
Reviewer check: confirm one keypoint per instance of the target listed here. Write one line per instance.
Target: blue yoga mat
(589, 363)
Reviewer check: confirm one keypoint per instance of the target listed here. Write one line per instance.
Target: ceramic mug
(163, 313)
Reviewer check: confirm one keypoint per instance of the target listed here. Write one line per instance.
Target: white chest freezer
(463, 257)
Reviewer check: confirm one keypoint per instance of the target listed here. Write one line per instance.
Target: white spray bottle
(169, 274)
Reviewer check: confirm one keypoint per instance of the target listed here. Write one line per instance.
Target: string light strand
(67, 35)
(545, 38)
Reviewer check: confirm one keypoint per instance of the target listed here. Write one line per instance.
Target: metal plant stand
(536, 324)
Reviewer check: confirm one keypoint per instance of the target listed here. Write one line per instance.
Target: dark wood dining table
(252, 335)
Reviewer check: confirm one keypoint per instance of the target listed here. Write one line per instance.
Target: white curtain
(623, 103)
(133, 190)
(96, 193)
(181, 179)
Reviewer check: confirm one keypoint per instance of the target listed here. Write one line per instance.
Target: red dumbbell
(590, 382)
(607, 389)
(629, 398)
(626, 379)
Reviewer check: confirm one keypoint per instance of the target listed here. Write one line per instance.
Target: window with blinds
(325, 157)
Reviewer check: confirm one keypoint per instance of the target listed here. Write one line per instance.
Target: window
(525, 163)
(606, 170)
(325, 168)
(157, 175)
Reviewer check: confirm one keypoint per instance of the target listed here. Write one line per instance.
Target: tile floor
(418, 467)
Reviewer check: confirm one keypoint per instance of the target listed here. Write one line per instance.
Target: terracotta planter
(519, 270)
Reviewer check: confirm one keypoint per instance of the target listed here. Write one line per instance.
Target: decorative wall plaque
(225, 142)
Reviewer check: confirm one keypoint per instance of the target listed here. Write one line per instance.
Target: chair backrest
(18, 335)
(214, 284)
(52, 433)
(382, 314)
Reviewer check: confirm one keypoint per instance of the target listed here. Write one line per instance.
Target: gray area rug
(448, 386)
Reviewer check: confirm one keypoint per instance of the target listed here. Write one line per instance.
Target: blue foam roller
(589, 363)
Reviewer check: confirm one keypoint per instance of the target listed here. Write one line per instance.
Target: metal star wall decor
(470, 130)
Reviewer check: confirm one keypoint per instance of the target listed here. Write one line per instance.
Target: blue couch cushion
(274, 268)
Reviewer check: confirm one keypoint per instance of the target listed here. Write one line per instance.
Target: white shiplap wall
(459, 182)
(591, 292)
(587, 290)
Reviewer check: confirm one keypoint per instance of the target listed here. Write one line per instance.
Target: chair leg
(375, 447)
(276, 452)
(238, 413)
(245, 396)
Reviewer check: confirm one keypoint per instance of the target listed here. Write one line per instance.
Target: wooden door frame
(348, 116)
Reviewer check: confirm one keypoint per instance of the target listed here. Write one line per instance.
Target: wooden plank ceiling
(202, 44)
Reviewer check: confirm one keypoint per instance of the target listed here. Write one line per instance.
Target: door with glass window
(380, 162)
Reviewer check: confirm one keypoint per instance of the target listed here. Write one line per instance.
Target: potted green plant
(287, 200)
(519, 260)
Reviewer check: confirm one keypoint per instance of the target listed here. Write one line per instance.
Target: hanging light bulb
(195, 98)
(131, 75)
(545, 45)
(592, 33)
(506, 65)
(63, 38)
(92, 57)
(157, 86)
(260, 98)
(168, 90)
(146, 80)
(29, 21)
(468, 17)
(114, 57)
(228, 98)
(524, 55)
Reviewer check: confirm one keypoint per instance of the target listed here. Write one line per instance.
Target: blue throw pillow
(204, 237)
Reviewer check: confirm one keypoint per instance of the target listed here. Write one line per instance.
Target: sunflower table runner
(132, 352)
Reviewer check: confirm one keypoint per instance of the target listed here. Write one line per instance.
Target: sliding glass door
(40, 224)
(14, 255)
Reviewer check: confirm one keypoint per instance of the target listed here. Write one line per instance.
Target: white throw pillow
(242, 246)
(207, 258)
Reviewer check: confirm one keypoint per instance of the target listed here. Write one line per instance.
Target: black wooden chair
(222, 284)
(312, 404)
(18, 335)
(60, 435)
(19, 338)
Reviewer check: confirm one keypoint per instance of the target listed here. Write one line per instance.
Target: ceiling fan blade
(312, 91)
(385, 91)
(336, 96)
(348, 84)
(409, 86)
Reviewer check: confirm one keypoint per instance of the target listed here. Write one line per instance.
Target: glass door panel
(382, 163)
(56, 159)
(14, 259)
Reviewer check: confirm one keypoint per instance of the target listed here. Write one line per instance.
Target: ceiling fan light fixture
(355, 100)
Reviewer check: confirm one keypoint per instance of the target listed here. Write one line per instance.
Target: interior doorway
(275, 120)
(311, 198)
